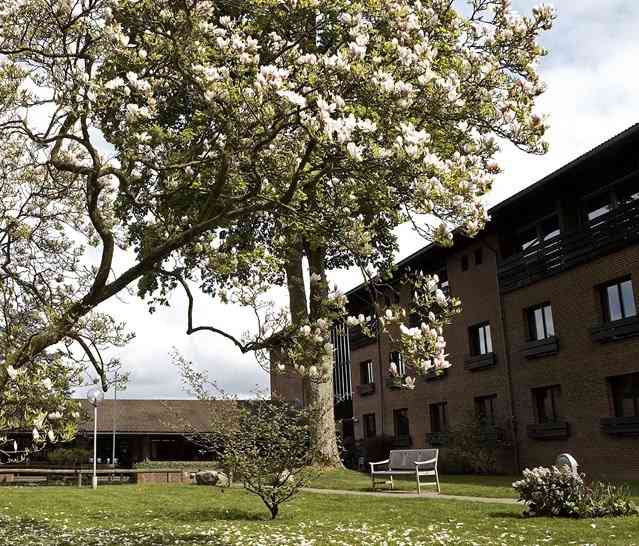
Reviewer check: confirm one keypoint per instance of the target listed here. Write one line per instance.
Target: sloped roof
(151, 416)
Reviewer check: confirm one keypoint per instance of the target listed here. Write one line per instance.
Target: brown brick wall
(580, 367)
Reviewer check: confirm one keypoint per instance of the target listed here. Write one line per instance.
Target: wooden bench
(406, 462)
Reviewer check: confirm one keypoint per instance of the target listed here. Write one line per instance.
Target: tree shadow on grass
(214, 513)
(508, 515)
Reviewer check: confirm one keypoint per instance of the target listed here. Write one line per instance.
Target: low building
(154, 430)
(546, 349)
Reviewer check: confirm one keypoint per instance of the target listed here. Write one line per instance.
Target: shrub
(551, 492)
(69, 456)
(474, 446)
(270, 451)
(558, 492)
(605, 499)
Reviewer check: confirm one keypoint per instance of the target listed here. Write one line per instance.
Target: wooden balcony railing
(605, 234)
(620, 426)
(357, 338)
(549, 431)
(365, 389)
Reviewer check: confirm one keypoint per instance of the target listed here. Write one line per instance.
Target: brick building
(547, 346)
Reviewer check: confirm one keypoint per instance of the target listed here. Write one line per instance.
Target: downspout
(381, 375)
(509, 378)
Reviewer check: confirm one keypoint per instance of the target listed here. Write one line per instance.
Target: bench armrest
(378, 463)
(430, 461)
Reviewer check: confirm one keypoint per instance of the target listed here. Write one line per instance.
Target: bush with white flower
(559, 492)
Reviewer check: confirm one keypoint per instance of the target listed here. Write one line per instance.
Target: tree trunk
(316, 393)
(325, 450)
(321, 393)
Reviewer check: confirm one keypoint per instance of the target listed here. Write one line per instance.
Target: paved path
(409, 495)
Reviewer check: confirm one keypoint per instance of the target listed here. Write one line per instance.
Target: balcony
(603, 235)
(480, 362)
(549, 431)
(437, 438)
(365, 389)
(491, 434)
(616, 330)
(395, 383)
(358, 339)
(434, 375)
(541, 347)
(620, 426)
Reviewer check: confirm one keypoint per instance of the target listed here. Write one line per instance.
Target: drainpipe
(381, 375)
(509, 378)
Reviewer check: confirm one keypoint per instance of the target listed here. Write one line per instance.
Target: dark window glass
(540, 322)
(485, 409)
(439, 417)
(464, 263)
(402, 424)
(625, 394)
(396, 358)
(618, 300)
(481, 342)
(527, 239)
(598, 206)
(478, 256)
(549, 228)
(366, 372)
(628, 192)
(370, 430)
(547, 404)
(443, 280)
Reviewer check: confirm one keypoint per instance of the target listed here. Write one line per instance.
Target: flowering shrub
(560, 493)
(551, 491)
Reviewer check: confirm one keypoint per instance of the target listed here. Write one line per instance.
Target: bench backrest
(404, 459)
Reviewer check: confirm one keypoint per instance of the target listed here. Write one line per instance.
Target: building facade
(546, 349)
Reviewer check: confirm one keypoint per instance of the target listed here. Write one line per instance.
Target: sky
(593, 94)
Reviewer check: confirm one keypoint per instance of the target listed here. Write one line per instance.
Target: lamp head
(95, 396)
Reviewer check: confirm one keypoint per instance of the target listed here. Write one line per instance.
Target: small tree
(270, 451)
(265, 444)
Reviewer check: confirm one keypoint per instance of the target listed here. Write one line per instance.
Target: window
(542, 232)
(549, 228)
(392, 298)
(464, 263)
(439, 417)
(396, 358)
(478, 256)
(401, 422)
(369, 426)
(628, 192)
(443, 280)
(540, 322)
(485, 409)
(598, 206)
(547, 400)
(480, 340)
(618, 300)
(625, 394)
(366, 374)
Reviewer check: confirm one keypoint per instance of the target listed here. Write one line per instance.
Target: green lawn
(472, 486)
(187, 514)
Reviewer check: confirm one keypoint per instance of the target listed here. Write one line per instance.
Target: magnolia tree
(231, 145)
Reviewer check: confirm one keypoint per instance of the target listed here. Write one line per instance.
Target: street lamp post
(95, 396)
